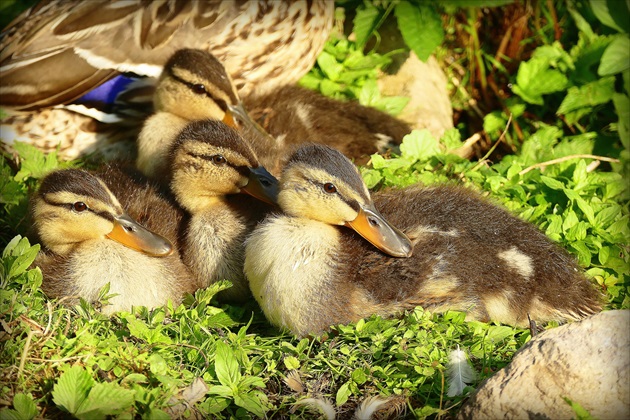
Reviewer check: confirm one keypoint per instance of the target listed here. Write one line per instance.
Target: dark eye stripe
(69, 206)
(195, 87)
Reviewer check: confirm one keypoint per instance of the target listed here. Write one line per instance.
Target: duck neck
(215, 250)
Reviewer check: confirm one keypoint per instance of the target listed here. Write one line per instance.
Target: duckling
(209, 166)
(193, 86)
(88, 240)
(454, 251)
(292, 114)
(59, 51)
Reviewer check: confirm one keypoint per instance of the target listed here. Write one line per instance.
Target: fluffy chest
(289, 263)
(136, 278)
(216, 249)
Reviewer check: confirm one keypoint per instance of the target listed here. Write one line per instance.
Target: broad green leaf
(291, 363)
(329, 65)
(570, 220)
(604, 253)
(451, 139)
(419, 145)
(555, 55)
(226, 366)
(105, 399)
(622, 106)
(612, 13)
(554, 184)
(343, 394)
(24, 408)
(72, 388)
(250, 403)
(157, 364)
(420, 26)
(616, 57)
(535, 78)
(365, 22)
(221, 390)
(589, 95)
(494, 123)
(498, 333)
(251, 381)
(607, 215)
(23, 261)
(583, 253)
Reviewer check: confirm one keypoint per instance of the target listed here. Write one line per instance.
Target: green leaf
(23, 261)
(226, 366)
(535, 78)
(329, 65)
(72, 388)
(105, 399)
(221, 390)
(24, 408)
(451, 139)
(616, 57)
(552, 183)
(157, 364)
(250, 403)
(291, 363)
(365, 22)
(622, 107)
(583, 253)
(419, 145)
(420, 26)
(343, 394)
(612, 13)
(589, 95)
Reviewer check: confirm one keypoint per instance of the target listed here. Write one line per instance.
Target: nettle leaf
(616, 57)
(419, 145)
(420, 26)
(105, 399)
(226, 366)
(365, 23)
(72, 388)
(535, 78)
(589, 95)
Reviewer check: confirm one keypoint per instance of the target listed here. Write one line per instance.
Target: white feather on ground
(369, 406)
(322, 404)
(459, 372)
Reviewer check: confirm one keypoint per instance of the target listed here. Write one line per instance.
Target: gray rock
(587, 362)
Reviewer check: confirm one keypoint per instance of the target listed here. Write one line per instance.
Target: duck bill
(379, 232)
(131, 234)
(262, 185)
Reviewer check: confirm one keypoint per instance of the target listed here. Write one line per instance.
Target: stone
(586, 362)
(425, 84)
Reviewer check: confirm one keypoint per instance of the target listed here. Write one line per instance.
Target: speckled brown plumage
(468, 255)
(296, 115)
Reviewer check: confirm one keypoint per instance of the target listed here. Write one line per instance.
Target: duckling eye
(330, 188)
(218, 159)
(198, 88)
(79, 206)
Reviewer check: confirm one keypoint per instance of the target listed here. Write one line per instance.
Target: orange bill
(379, 232)
(262, 185)
(131, 234)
